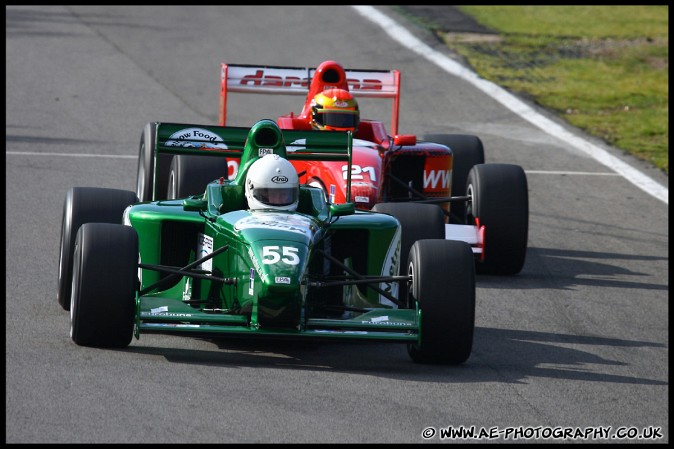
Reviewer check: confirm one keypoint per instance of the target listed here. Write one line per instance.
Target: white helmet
(272, 183)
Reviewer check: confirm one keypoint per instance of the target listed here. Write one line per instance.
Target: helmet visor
(336, 119)
(283, 196)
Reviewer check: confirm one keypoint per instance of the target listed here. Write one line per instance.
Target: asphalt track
(578, 341)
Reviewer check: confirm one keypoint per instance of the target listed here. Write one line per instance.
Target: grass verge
(604, 69)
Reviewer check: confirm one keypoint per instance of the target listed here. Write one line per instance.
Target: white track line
(557, 172)
(35, 153)
(404, 37)
(121, 156)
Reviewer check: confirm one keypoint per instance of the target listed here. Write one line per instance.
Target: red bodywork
(384, 167)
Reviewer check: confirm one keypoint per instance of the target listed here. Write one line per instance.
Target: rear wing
(300, 81)
(249, 144)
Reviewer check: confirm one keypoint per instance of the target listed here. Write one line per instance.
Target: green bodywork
(323, 271)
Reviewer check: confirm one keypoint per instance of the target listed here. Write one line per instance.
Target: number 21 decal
(357, 172)
(274, 254)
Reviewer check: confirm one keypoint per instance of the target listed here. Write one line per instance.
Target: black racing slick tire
(443, 284)
(105, 270)
(189, 175)
(145, 176)
(85, 205)
(418, 221)
(500, 203)
(467, 151)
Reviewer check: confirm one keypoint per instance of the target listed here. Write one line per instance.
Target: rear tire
(84, 205)
(145, 170)
(467, 151)
(443, 283)
(102, 308)
(418, 221)
(500, 202)
(189, 175)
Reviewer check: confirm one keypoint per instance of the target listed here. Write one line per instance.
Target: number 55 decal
(272, 254)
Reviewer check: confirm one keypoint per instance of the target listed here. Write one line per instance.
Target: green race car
(208, 266)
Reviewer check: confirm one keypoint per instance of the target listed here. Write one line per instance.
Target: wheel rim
(61, 263)
(412, 348)
(470, 217)
(73, 285)
(140, 175)
(171, 194)
(410, 286)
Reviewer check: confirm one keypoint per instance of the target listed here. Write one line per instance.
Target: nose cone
(280, 266)
(279, 263)
(283, 265)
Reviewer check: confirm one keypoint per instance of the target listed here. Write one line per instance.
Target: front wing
(153, 315)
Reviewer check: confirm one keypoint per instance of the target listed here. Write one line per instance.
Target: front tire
(85, 205)
(500, 202)
(418, 221)
(102, 308)
(443, 284)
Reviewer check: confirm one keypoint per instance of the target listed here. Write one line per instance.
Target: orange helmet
(335, 110)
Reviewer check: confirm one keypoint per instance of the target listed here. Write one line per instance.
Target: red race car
(378, 158)
(438, 180)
